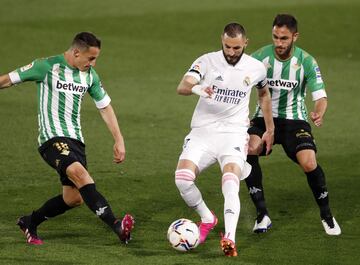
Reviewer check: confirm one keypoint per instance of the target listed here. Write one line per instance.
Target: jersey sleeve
(262, 77)
(35, 71)
(198, 68)
(98, 93)
(314, 80)
(255, 55)
(263, 72)
(258, 54)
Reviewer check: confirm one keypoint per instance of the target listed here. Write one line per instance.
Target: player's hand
(119, 152)
(268, 139)
(316, 118)
(202, 90)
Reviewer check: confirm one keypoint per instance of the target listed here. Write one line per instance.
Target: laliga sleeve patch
(318, 75)
(27, 67)
(196, 68)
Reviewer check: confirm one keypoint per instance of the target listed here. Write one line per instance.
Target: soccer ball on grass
(183, 235)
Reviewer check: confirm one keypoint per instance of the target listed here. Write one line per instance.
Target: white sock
(184, 180)
(230, 190)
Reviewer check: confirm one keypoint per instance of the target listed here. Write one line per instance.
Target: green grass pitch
(147, 47)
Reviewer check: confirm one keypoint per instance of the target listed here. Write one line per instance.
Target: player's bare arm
(265, 104)
(189, 85)
(319, 111)
(5, 81)
(110, 119)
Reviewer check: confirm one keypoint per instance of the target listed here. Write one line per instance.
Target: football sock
(97, 204)
(230, 190)
(255, 187)
(53, 207)
(316, 181)
(184, 180)
(204, 212)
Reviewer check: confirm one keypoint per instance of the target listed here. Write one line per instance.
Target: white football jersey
(229, 105)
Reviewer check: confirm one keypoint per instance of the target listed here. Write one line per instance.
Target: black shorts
(293, 135)
(61, 152)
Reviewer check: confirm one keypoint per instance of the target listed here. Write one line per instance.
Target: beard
(284, 53)
(232, 59)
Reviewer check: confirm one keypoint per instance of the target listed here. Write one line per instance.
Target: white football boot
(331, 227)
(263, 226)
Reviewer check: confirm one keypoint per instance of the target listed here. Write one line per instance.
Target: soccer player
(223, 80)
(290, 70)
(62, 82)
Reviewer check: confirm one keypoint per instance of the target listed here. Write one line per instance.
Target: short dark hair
(233, 29)
(86, 40)
(286, 20)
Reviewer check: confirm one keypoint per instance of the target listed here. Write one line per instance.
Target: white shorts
(205, 146)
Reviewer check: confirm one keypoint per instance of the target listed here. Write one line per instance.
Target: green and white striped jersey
(288, 81)
(61, 89)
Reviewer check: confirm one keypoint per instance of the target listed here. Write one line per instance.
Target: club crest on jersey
(57, 69)
(27, 67)
(247, 81)
(69, 87)
(296, 66)
(267, 65)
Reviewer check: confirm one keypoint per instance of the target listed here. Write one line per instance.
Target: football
(183, 235)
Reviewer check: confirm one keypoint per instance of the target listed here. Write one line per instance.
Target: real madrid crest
(247, 81)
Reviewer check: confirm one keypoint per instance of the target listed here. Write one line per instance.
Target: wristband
(199, 90)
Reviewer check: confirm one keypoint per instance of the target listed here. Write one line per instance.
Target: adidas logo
(237, 149)
(100, 211)
(219, 78)
(323, 195)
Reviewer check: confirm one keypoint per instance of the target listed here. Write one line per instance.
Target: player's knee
(255, 145)
(78, 175)
(253, 150)
(184, 179)
(75, 170)
(308, 165)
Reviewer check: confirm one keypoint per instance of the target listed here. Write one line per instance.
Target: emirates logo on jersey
(226, 95)
(69, 87)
